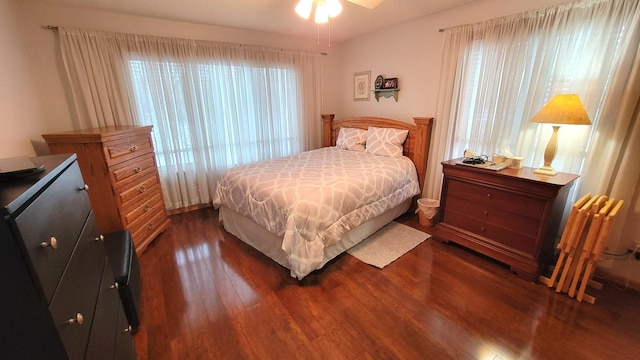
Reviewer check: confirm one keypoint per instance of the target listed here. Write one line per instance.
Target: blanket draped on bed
(313, 198)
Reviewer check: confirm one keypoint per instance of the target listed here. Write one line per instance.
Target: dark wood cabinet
(512, 215)
(58, 297)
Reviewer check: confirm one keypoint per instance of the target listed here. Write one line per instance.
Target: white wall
(20, 105)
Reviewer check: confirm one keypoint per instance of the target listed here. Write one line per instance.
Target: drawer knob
(78, 319)
(128, 329)
(488, 196)
(114, 286)
(53, 243)
(85, 187)
(137, 169)
(146, 208)
(483, 230)
(133, 147)
(142, 189)
(100, 238)
(150, 226)
(486, 213)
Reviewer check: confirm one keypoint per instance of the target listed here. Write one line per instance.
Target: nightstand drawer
(118, 151)
(507, 201)
(50, 226)
(131, 170)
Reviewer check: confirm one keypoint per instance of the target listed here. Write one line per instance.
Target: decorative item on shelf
(361, 83)
(563, 109)
(386, 87)
(379, 82)
(390, 83)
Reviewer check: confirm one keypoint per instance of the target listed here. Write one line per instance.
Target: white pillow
(351, 139)
(385, 141)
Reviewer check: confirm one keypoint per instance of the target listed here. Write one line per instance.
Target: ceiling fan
(326, 9)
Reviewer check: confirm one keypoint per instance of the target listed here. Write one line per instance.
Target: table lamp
(562, 109)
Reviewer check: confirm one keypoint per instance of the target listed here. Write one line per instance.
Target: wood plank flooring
(207, 295)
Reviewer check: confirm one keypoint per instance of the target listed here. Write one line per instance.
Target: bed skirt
(271, 245)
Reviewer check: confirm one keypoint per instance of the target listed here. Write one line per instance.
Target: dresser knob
(133, 147)
(100, 238)
(142, 189)
(488, 196)
(128, 329)
(79, 319)
(114, 286)
(146, 208)
(137, 169)
(486, 213)
(85, 187)
(53, 243)
(150, 226)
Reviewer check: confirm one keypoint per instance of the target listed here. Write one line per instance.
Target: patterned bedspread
(312, 199)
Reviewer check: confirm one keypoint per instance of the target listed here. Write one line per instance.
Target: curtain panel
(498, 74)
(213, 105)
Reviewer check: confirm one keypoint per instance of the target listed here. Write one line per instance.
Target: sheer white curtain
(213, 105)
(499, 73)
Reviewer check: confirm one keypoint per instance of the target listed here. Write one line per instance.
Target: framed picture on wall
(361, 84)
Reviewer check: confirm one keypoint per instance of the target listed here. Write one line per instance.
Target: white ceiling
(275, 16)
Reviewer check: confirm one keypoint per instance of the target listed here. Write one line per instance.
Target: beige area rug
(388, 244)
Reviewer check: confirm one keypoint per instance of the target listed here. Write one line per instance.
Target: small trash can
(427, 210)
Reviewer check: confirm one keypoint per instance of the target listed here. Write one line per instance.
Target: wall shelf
(386, 93)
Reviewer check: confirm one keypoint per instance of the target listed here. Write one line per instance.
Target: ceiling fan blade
(369, 4)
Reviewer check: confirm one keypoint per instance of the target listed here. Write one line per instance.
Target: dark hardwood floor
(207, 295)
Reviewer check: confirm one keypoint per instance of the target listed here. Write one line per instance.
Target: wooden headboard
(416, 147)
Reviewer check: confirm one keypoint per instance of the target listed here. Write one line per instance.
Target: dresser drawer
(59, 213)
(147, 226)
(151, 205)
(516, 222)
(499, 236)
(507, 201)
(103, 335)
(137, 190)
(131, 170)
(118, 151)
(78, 291)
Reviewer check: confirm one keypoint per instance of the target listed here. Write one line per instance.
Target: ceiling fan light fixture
(322, 13)
(304, 8)
(334, 8)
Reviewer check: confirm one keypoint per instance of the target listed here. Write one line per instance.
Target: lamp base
(545, 170)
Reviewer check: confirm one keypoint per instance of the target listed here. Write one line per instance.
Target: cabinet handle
(85, 187)
(137, 169)
(78, 319)
(146, 208)
(99, 238)
(142, 189)
(133, 147)
(53, 243)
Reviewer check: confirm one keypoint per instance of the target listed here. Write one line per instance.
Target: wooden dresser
(59, 299)
(118, 164)
(510, 215)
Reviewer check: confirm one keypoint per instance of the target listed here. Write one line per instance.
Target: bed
(345, 193)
